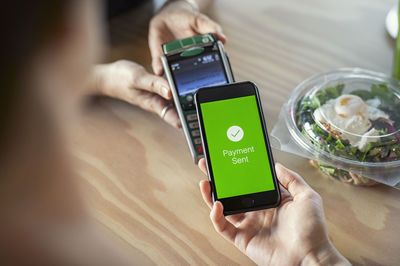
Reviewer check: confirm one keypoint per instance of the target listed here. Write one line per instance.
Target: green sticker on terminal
(187, 42)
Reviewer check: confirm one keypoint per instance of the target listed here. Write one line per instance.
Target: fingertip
(290, 180)
(205, 25)
(166, 92)
(157, 67)
(214, 212)
(174, 124)
(177, 124)
(202, 165)
(219, 205)
(278, 167)
(204, 187)
(203, 184)
(172, 118)
(201, 161)
(281, 172)
(217, 211)
(222, 37)
(281, 169)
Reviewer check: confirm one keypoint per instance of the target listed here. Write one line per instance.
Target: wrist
(325, 254)
(96, 81)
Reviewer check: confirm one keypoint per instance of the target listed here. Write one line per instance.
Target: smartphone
(190, 64)
(237, 150)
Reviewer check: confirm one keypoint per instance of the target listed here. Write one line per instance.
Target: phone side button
(196, 133)
(197, 141)
(248, 202)
(191, 117)
(199, 149)
(194, 125)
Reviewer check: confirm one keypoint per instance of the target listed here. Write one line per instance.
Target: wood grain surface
(136, 172)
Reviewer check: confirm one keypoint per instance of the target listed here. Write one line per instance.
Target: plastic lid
(348, 116)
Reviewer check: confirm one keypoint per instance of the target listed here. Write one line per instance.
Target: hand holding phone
(294, 233)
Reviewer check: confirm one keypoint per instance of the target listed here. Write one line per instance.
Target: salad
(361, 125)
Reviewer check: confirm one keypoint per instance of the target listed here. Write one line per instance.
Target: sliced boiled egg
(348, 105)
(350, 116)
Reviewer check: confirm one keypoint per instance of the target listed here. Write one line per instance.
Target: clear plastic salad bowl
(347, 122)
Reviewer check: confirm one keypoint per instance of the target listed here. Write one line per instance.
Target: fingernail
(165, 92)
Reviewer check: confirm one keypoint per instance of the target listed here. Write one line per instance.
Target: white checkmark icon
(235, 133)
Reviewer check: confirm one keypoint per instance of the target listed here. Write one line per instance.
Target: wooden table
(136, 172)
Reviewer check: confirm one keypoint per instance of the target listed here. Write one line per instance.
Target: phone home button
(248, 202)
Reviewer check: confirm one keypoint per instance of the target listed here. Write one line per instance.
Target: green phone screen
(236, 145)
